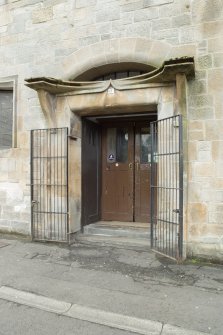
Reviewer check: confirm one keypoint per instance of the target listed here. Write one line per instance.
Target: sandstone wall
(58, 38)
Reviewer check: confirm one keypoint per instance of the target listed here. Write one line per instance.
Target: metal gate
(49, 184)
(167, 187)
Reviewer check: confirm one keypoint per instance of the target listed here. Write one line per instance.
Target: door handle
(130, 166)
(137, 166)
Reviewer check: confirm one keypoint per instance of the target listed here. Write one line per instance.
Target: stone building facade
(66, 39)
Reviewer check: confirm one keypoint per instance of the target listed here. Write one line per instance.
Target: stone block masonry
(63, 38)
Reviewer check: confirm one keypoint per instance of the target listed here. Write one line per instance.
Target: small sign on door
(111, 157)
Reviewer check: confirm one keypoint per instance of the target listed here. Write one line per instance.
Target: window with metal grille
(6, 119)
(119, 75)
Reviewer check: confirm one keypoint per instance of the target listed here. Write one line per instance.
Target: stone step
(139, 243)
(116, 231)
(116, 234)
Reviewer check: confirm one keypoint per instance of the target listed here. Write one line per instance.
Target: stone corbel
(48, 105)
(181, 87)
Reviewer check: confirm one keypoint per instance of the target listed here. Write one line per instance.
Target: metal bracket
(72, 137)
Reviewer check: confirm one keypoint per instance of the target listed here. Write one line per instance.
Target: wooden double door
(126, 167)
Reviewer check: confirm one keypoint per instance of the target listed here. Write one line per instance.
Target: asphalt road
(21, 320)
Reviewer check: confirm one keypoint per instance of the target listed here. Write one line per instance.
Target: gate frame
(180, 211)
(67, 184)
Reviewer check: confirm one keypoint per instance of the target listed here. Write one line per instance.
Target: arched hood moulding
(165, 74)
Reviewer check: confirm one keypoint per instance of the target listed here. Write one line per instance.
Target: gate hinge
(176, 124)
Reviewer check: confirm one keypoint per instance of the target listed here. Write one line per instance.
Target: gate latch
(177, 211)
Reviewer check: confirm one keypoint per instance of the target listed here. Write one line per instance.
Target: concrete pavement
(129, 282)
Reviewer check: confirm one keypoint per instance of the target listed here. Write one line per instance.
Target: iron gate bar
(166, 199)
(49, 184)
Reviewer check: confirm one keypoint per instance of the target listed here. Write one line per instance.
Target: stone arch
(139, 50)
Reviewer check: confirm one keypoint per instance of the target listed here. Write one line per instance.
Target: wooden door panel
(91, 172)
(142, 172)
(144, 194)
(117, 207)
(117, 175)
(109, 188)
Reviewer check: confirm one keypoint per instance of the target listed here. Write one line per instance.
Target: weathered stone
(204, 156)
(204, 146)
(218, 59)
(202, 113)
(139, 29)
(198, 87)
(161, 24)
(196, 190)
(108, 14)
(203, 48)
(202, 74)
(127, 17)
(156, 52)
(181, 20)
(213, 130)
(5, 18)
(166, 34)
(60, 11)
(143, 15)
(218, 106)
(42, 15)
(85, 3)
(208, 10)
(89, 40)
(148, 3)
(196, 125)
(192, 150)
(132, 6)
(217, 150)
(215, 78)
(196, 135)
(219, 185)
(205, 62)
(215, 45)
(198, 213)
(203, 100)
(209, 29)
(183, 50)
(3, 29)
(219, 196)
(105, 37)
(204, 169)
(215, 217)
(187, 35)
